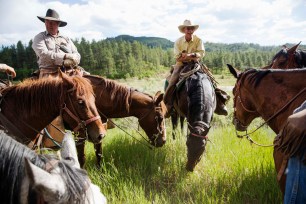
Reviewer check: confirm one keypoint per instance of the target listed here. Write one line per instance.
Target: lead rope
(145, 144)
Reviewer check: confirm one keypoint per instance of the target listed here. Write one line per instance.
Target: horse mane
(33, 95)
(254, 76)
(118, 92)
(281, 52)
(12, 171)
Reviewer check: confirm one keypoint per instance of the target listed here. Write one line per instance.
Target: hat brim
(61, 24)
(182, 27)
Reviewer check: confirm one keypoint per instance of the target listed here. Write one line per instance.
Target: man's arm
(45, 55)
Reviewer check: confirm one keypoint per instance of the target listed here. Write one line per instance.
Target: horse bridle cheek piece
(81, 124)
(236, 121)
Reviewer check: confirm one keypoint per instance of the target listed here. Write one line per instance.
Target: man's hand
(72, 57)
(69, 63)
(185, 57)
(10, 70)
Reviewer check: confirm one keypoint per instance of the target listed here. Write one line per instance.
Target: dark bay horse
(30, 106)
(272, 95)
(288, 58)
(196, 101)
(26, 177)
(114, 100)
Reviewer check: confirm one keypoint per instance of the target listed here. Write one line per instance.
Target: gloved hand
(69, 63)
(10, 70)
(73, 57)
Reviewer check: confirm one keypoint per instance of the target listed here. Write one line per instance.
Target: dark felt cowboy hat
(52, 15)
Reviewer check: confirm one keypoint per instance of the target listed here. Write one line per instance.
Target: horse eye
(81, 102)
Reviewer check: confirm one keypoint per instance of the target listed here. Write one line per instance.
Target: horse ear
(293, 49)
(68, 150)
(158, 97)
(234, 72)
(43, 182)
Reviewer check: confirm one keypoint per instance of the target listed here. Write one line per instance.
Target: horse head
(244, 110)
(286, 58)
(153, 122)
(54, 184)
(80, 109)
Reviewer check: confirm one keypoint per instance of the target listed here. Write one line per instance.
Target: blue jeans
(295, 182)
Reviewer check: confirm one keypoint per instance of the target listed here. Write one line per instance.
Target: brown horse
(117, 101)
(288, 59)
(272, 95)
(196, 101)
(30, 106)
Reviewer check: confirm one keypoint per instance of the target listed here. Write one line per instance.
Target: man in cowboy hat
(53, 49)
(189, 48)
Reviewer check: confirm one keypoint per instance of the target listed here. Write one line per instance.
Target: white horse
(26, 177)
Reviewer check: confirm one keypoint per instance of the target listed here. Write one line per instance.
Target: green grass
(231, 170)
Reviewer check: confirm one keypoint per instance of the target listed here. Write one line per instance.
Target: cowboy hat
(187, 23)
(52, 15)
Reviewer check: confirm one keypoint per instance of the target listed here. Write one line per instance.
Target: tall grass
(231, 170)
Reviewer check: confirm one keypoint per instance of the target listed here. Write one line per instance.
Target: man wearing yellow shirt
(187, 48)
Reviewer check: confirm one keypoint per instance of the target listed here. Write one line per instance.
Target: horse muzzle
(239, 126)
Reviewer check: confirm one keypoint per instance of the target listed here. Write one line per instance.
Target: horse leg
(182, 120)
(174, 121)
(81, 153)
(98, 152)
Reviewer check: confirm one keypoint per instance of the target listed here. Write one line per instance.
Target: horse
(28, 177)
(196, 101)
(28, 107)
(114, 100)
(288, 59)
(272, 94)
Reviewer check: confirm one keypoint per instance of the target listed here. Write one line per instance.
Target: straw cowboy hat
(187, 23)
(52, 15)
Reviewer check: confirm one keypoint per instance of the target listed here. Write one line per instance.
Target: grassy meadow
(231, 170)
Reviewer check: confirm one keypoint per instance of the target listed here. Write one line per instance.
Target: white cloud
(267, 22)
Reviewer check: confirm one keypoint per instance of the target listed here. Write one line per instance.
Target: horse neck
(274, 92)
(141, 104)
(30, 117)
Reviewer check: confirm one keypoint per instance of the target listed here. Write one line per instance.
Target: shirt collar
(190, 40)
(58, 34)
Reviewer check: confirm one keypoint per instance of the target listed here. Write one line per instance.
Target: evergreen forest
(127, 56)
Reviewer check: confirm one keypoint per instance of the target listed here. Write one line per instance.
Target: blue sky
(265, 22)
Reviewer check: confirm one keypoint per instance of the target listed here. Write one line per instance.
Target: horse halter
(237, 96)
(81, 123)
(156, 109)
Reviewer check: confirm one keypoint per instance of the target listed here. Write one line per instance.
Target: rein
(247, 135)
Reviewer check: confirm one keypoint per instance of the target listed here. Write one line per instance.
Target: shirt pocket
(50, 44)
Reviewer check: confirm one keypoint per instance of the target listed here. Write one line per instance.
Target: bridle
(156, 109)
(236, 121)
(81, 124)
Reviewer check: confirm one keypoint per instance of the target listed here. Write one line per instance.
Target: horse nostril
(101, 136)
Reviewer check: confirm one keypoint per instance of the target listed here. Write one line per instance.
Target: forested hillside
(127, 56)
